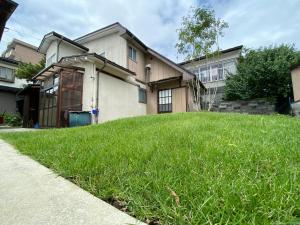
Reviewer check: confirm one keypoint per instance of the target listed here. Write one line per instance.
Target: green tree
(263, 73)
(199, 33)
(28, 70)
(199, 36)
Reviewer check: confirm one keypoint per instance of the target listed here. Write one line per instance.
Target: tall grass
(191, 168)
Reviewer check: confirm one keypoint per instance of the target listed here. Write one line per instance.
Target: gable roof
(203, 57)
(48, 38)
(119, 27)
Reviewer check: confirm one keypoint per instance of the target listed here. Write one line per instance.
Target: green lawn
(191, 168)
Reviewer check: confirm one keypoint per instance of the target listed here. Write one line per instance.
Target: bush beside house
(264, 73)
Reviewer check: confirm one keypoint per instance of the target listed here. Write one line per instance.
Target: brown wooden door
(70, 95)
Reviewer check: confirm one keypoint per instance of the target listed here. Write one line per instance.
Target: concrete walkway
(8, 129)
(31, 194)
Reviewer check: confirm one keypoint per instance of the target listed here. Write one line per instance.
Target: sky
(252, 23)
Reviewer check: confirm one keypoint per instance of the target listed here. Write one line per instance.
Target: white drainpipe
(96, 91)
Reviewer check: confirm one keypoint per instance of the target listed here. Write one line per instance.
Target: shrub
(263, 73)
(13, 119)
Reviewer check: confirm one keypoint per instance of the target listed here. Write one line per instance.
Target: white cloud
(252, 23)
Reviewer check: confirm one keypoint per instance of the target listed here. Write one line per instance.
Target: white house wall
(63, 50)
(88, 85)
(52, 49)
(67, 50)
(114, 46)
(118, 99)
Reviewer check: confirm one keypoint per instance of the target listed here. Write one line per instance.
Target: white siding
(113, 45)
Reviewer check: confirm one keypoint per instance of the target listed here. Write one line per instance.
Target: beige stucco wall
(118, 99)
(88, 86)
(114, 46)
(26, 54)
(296, 83)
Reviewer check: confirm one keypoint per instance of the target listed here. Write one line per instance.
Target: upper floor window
(205, 74)
(215, 72)
(51, 59)
(132, 53)
(7, 74)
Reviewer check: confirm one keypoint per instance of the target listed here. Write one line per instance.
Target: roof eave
(63, 38)
(236, 48)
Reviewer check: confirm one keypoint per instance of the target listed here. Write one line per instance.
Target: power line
(22, 34)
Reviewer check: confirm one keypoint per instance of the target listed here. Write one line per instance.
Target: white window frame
(5, 70)
(210, 70)
(132, 53)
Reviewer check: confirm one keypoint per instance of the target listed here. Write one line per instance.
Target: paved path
(8, 129)
(31, 194)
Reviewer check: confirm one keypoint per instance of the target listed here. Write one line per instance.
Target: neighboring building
(109, 70)
(17, 51)
(23, 52)
(213, 71)
(296, 89)
(7, 7)
(9, 85)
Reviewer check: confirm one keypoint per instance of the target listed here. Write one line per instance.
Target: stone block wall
(256, 106)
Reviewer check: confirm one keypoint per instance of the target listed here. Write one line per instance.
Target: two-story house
(9, 85)
(213, 71)
(16, 52)
(111, 73)
(22, 51)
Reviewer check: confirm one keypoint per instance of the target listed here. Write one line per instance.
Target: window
(215, 72)
(132, 53)
(51, 59)
(165, 101)
(196, 72)
(205, 74)
(7, 74)
(142, 95)
(229, 68)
